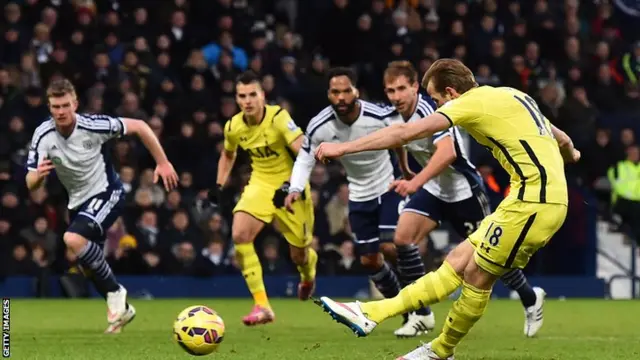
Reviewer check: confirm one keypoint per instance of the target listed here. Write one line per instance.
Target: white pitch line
(588, 338)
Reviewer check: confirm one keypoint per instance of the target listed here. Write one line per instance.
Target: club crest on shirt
(87, 144)
(56, 160)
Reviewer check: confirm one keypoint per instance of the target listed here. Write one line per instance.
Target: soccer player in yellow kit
(509, 123)
(268, 134)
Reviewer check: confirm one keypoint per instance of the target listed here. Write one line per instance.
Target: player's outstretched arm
(568, 151)
(164, 169)
(387, 138)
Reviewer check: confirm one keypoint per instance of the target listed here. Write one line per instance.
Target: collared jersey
(369, 173)
(267, 144)
(81, 161)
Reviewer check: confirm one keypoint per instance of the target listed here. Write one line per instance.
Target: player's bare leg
(413, 228)
(434, 287)
(244, 231)
(306, 260)
(94, 264)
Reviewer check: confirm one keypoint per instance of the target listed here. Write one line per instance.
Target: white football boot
(348, 314)
(423, 352)
(533, 315)
(416, 325)
(118, 315)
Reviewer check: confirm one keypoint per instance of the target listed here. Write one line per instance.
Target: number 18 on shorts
(509, 237)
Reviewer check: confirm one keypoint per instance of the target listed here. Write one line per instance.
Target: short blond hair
(452, 73)
(399, 68)
(60, 88)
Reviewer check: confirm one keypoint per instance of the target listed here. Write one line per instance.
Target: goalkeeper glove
(281, 194)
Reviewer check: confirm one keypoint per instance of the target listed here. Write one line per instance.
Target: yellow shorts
(509, 237)
(297, 228)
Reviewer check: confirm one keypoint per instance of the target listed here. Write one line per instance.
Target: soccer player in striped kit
(373, 209)
(73, 145)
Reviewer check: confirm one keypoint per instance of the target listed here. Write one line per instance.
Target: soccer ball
(198, 330)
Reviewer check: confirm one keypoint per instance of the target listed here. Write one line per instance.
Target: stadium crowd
(173, 63)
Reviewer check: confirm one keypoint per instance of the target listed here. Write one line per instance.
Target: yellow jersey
(509, 123)
(267, 144)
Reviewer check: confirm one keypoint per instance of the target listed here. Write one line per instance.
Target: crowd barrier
(284, 286)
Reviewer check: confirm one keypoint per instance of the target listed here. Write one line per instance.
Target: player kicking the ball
(530, 149)
(448, 188)
(73, 145)
(267, 133)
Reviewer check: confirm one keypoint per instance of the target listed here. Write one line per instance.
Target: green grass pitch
(72, 329)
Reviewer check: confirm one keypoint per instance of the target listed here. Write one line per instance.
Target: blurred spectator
(40, 238)
(631, 65)
(625, 183)
(125, 259)
(627, 138)
(348, 263)
(22, 261)
(605, 92)
(131, 107)
(337, 210)
(272, 261)
(213, 51)
(29, 73)
(577, 118)
(147, 183)
(218, 261)
(603, 154)
(13, 209)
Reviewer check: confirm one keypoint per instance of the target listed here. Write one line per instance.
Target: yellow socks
(429, 289)
(252, 271)
(308, 270)
(466, 311)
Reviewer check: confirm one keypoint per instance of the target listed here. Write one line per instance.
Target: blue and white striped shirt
(368, 173)
(457, 181)
(81, 163)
